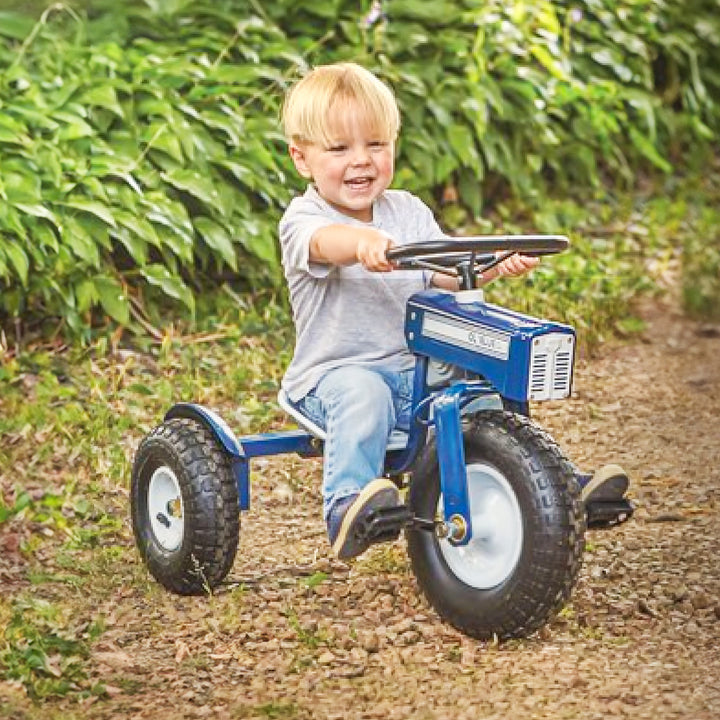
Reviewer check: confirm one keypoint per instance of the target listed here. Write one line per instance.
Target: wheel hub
(165, 507)
(497, 531)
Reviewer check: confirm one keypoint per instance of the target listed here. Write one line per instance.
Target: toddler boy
(351, 372)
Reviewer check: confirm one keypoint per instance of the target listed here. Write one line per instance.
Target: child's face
(353, 170)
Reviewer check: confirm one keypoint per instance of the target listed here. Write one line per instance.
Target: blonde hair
(329, 90)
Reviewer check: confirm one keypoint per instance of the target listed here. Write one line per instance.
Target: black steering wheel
(465, 257)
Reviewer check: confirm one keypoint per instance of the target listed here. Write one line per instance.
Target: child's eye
(378, 144)
(337, 148)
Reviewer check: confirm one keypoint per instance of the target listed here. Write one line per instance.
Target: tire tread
(210, 499)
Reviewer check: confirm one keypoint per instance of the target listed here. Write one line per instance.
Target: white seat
(397, 441)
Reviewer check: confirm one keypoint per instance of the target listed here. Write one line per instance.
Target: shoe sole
(603, 515)
(367, 494)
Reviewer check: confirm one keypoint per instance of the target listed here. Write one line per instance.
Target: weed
(384, 560)
(40, 577)
(312, 581)
(454, 653)
(308, 636)
(228, 609)
(199, 661)
(275, 710)
(129, 685)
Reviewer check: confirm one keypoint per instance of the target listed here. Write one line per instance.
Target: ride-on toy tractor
(493, 516)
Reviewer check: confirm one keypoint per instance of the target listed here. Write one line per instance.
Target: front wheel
(528, 526)
(184, 505)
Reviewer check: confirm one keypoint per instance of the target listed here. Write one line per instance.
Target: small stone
(326, 658)
(676, 592)
(701, 600)
(369, 641)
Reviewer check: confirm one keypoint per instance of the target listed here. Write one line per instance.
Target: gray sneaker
(349, 512)
(607, 484)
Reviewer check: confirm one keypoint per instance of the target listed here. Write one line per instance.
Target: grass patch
(275, 710)
(45, 652)
(306, 635)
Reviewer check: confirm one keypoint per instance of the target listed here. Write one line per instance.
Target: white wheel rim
(497, 531)
(165, 507)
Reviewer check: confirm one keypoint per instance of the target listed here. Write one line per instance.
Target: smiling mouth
(359, 183)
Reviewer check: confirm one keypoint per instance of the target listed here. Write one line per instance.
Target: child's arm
(339, 244)
(346, 244)
(513, 266)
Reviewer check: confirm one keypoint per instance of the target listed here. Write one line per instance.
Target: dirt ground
(299, 635)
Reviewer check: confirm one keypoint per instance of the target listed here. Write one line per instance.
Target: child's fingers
(517, 265)
(372, 254)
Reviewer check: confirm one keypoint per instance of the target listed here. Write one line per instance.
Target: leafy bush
(128, 162)
(140, 156)
(701, 250)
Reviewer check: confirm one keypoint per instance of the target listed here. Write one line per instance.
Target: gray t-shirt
(349, 315)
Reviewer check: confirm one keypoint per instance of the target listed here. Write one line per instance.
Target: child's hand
(513, 266)
(371, 248)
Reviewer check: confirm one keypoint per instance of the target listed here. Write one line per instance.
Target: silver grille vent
(551, 363)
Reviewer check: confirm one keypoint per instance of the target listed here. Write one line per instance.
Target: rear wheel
(528, 525)
(184, 506)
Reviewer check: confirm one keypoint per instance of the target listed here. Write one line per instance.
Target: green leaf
(15, 25)
(103, 95)
(262, 245)
(648, 150)
(81, 242)
(10, 219)
(86, 295)
(194, 183)
(74, 128)
(95, 208)
(18, 259)
(136, 246)
(228, 124)
(141, 389)
(44, 235)
(112, 299)
(462, 141)
(217, 238)
(551, 64)
(38, 211)
(172, 286)
(21, 187)
(139, 225)
(161, 138)
(12, 138)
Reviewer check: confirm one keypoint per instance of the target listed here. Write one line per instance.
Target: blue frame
(498, 352)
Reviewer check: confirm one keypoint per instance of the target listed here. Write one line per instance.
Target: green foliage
(701, 251)
(701, 278)
(39, 650)
(130, 162)
(141, 160)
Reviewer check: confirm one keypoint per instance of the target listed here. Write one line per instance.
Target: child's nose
(360, 155)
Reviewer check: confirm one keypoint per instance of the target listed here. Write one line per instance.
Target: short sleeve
(297, 226)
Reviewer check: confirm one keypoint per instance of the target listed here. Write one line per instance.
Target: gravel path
(299, 635)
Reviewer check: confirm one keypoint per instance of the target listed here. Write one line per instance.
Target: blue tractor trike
(493, 516)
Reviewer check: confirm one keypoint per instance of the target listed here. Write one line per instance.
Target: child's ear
(298, 158)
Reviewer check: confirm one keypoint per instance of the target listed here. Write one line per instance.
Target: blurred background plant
(141, 163)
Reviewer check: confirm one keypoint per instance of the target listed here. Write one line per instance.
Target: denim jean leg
(359, 415)
(402, 394)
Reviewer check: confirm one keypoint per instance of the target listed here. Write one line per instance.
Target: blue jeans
(358, 408)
